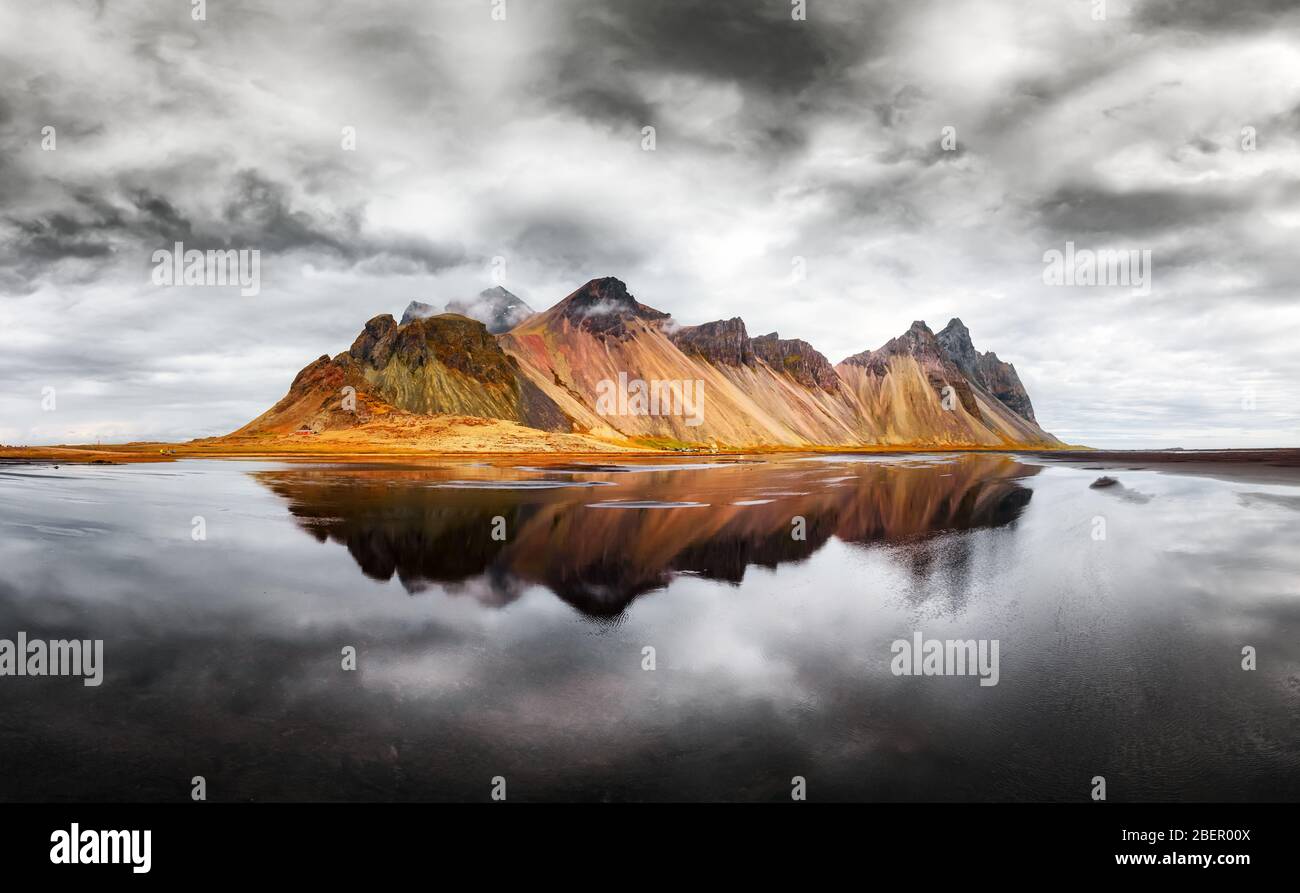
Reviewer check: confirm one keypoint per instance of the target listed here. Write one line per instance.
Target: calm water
(523, 657)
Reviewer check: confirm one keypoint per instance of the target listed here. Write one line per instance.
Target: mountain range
(493, 358)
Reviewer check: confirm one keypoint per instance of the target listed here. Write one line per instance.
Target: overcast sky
(775, 139)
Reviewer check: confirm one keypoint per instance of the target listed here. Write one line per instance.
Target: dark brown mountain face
(451, 364)
(1004, 383)
(456, 342)
(798, 359)
(985, 369)
(724, 341)
(436, 365)
(604, 307)
(727, 342)
(375, 342)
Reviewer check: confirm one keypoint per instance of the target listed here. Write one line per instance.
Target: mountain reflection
(564, 527)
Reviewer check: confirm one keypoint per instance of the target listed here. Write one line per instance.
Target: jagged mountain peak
(605, 295)
(417, 310)
(918, 341)
(798, 359)
(986, 370)
(495, 307)
(723, 341)
(920, 344)
(377, 329)
(727, 341)
(453, 339)
(918, 337)
(604, 307)
(956, 340)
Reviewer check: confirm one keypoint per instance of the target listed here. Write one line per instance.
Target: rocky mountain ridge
(548, 371)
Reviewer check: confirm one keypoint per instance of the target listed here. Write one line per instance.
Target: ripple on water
(516, 485)
(646, 504)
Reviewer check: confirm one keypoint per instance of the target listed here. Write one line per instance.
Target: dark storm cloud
(259, 213)
(573, 242)
(756, 45)
(256, 212)
(1213, 15)
(1090, 211)
(611, 66)
(615, 104)
(892, 110)
(876, 204)
(399, 59)
(1204, 145)
(72, 222)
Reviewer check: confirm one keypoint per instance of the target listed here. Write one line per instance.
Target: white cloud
(774, 139)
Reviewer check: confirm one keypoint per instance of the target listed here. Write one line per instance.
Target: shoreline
(1264, 466)
(142, 452)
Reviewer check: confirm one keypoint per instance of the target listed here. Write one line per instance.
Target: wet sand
(1270, 466)
(1276, 466)
(332, 451)
(523, 656)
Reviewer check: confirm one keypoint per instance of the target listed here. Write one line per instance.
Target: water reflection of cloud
(222, 658)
